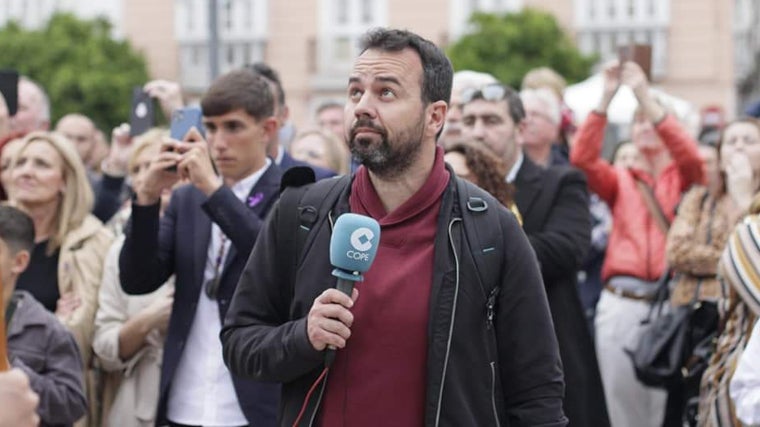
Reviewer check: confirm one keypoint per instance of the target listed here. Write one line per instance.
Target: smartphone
(9, 89)
(641, 54)
(141, 116)
(184, 119)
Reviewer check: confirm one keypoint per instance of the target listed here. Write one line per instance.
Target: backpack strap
(484, 235)
(300, 209)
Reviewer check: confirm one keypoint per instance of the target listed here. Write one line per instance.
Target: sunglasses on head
(492, 92)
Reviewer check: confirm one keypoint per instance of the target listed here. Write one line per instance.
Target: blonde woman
(130, 330)
(50, 184)
(319, 148)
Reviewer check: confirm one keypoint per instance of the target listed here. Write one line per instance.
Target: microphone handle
(347, 287)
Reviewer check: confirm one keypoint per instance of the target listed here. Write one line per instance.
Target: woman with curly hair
(479, 166)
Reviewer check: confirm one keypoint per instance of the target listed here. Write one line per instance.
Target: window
(190, 14)
(228, 6)
(195, 55)
(247, 48)
(247, 14)
(343, 22)
(366, 11)
(342, 12)
(230, 54)
(619, 22)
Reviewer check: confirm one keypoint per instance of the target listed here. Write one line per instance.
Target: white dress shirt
(512, 175)
(745, 384)
(202, 392)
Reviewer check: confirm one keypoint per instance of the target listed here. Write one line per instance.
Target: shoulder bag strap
(653, 206)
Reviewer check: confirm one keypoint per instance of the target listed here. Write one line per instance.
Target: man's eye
(354, 93)
(385, 93)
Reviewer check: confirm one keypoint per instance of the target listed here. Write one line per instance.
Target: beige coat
(135, 381)
(80, 268)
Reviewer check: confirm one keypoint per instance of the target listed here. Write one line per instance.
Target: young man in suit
(204, 238)
(554, 204)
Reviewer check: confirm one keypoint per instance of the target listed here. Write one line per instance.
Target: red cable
(308, 396)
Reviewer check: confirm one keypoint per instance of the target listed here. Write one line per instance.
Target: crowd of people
(188, 282)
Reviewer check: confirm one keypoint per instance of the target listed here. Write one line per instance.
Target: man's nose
(478, 130)
(364, 106)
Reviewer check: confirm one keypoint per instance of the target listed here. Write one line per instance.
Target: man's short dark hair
(239, 89)
(263, 69)
(514, 104)
(16, 229)
(437, 72)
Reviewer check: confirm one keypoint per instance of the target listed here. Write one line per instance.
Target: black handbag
(670, 338)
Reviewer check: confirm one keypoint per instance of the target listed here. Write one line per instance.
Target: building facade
(701, 49)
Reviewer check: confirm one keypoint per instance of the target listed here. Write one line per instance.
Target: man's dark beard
(384, 160)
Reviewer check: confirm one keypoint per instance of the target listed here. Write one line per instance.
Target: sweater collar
(365, 198)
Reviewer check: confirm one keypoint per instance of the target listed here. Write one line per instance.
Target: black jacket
(554, 205)
(178, 244)
(475, 373)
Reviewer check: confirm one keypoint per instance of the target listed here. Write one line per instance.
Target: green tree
(80, 66)
(509, 45)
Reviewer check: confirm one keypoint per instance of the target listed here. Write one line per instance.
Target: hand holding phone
(184, 119)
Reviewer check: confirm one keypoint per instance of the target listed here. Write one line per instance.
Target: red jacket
(636, 245)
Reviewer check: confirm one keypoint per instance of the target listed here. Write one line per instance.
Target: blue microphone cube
(354, 243)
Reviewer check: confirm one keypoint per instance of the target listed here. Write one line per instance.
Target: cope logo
(361, 240)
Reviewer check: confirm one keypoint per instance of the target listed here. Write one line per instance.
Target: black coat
(554, 206)
(264, 335)
(178, 244)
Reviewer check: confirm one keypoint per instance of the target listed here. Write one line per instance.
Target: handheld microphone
(353, 246)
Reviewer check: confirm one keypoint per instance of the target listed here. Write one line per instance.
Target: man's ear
(271, 126)
(20, 262)
(438, 111)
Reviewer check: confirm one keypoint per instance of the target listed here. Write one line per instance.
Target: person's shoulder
(505, 215)
(565, 172)
(32, 313)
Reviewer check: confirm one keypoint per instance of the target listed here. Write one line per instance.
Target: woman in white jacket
(130, 329)
(745, 384)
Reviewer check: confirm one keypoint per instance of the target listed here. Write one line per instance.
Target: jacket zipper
(493, 394)
(491, 307)
(451, 326)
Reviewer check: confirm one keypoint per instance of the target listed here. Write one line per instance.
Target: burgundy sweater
(379, 378)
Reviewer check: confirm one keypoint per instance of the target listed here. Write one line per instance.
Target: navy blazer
(319, 173)
(178, 244)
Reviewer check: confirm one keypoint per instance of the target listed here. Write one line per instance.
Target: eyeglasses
(492, 92)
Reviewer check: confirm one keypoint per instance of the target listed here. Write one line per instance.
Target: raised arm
(681, 146)
(586, 151)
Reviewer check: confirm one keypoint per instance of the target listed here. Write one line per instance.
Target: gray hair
(44, 100)
(548, 99)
